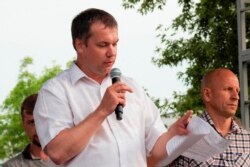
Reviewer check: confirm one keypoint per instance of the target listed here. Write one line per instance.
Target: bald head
(215, 77)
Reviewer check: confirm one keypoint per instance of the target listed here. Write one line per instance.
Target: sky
(41, 30)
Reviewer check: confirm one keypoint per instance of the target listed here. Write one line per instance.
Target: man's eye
(102, 44)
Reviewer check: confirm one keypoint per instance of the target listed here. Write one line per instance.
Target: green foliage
(13, 139)
(144, 6)
(163, 105)
(211, 43)
(205, 37)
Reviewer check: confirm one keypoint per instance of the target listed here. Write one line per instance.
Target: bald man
(220, 94)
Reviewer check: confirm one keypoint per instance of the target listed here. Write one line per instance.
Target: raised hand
(180, 126)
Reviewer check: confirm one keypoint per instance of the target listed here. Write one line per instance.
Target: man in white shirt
(74, 111)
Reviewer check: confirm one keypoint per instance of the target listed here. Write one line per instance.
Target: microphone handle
(119, 112)
(115, 79)
(118, 109)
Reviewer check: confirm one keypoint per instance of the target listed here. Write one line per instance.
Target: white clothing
(67, 99)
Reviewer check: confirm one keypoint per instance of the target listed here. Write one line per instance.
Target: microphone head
(115, 73)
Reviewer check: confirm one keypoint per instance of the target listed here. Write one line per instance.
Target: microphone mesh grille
(115, 72)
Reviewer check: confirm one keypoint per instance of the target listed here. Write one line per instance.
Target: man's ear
(79, 45)
(206, 94)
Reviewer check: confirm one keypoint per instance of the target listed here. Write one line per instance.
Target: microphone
(115, 75)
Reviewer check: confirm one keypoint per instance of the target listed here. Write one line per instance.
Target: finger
(184, 120)
(186, 117)
(121, 87)
(189, 113)
(125, 88)
(121, 95)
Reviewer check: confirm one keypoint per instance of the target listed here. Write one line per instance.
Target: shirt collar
(234, 126)
(26, 152)
(76, 73)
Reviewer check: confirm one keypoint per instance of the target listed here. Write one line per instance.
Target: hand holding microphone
(115, 75)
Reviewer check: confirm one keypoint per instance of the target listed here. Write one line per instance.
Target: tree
(209, 41)
(13, 138)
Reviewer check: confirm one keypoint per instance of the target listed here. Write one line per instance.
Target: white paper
(200, 144)
(209, 146)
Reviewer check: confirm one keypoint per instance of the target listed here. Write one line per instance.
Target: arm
(178, 128)
(70, 142)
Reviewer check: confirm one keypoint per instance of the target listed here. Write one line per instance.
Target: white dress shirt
(70, 97)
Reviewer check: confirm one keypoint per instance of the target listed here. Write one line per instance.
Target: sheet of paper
(201, 143)
(209, 146)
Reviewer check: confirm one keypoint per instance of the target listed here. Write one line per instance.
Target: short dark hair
(80, 28)
(28, 104)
